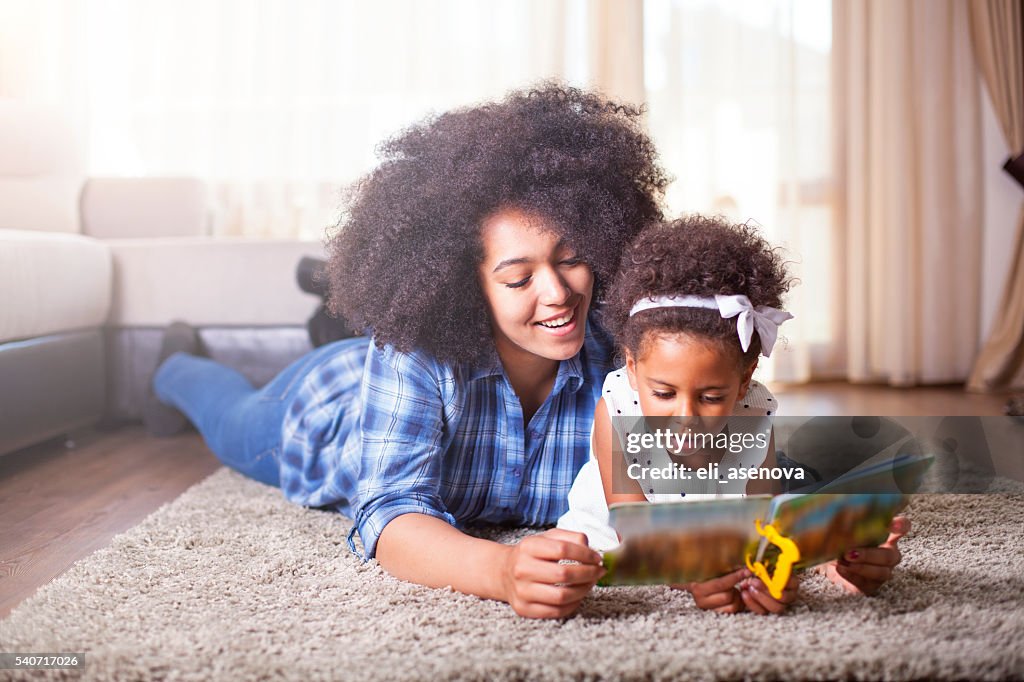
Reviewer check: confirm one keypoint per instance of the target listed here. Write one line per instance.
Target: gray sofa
(92, 269)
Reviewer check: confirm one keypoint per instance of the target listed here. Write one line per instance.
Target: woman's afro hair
(405, 252)
(698, 256)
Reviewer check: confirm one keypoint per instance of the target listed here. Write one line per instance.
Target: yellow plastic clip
(783, 567)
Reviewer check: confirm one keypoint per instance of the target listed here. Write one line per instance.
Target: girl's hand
(537, 586)
(719, 594)
(758, 600)
(864, 571)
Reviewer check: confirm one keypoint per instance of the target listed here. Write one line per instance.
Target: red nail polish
(854, 554)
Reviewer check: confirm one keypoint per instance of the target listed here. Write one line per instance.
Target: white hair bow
(763, 319)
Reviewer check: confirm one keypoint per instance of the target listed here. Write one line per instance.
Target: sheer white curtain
(278, 103)
(739, 106)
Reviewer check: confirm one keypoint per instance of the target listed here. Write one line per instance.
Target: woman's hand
(719, 594)
(758, 600)
(536, 585)
(864, 571)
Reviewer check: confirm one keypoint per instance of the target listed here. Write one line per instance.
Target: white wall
(1003, 199)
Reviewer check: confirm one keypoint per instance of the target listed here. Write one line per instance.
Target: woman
(474, 252)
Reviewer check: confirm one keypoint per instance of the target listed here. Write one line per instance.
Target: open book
(681, 542)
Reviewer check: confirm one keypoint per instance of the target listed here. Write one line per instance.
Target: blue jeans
(240, 424)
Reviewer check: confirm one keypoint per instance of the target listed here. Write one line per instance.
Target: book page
(825, 526)
(680, 542)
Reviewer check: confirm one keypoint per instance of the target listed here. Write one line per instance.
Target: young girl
(694, 304)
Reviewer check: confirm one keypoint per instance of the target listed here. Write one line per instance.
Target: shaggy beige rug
(232, 582)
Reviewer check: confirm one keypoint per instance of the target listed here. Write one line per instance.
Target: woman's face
(537, 290)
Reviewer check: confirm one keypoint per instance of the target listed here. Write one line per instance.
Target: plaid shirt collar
(570, 372)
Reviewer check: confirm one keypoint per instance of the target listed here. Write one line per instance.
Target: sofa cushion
(43, 203)
(40, 169)
(207, 281)
(51, 283)
(144, 207)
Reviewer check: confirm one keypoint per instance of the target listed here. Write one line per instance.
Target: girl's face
(688, 378)
(537, 290)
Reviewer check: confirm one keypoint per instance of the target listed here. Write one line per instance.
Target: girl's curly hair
(405, 252)
(699, 256)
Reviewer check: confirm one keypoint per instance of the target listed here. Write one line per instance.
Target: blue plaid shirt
(375, 433)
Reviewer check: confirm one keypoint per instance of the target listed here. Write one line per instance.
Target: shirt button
(515, 472)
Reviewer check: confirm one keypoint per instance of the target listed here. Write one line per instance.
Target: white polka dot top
(588, 511)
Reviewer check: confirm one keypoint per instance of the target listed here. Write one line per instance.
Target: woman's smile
(562, 324)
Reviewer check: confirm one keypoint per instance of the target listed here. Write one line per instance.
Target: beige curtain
(909, 202)
(996, 28)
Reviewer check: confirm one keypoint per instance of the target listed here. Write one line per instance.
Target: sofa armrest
(145, 207)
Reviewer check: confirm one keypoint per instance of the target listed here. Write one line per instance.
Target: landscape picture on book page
(683, 542)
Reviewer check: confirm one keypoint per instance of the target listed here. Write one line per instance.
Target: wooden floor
(60, 504)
